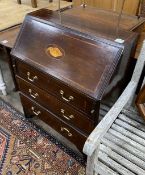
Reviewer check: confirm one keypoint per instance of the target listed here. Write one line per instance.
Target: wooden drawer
(57, 88)
(32, 109)
(64, 111)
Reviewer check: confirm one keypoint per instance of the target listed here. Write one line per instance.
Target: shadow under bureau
(62, 75)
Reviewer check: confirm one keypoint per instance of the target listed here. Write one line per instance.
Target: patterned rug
(26, 149)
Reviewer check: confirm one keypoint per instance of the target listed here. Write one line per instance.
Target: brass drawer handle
(31, 79)
(62, 96)
(65, 129)
(33, 95)
(63, 114)
(35, 112)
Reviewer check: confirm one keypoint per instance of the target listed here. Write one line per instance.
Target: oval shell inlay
(55, 51)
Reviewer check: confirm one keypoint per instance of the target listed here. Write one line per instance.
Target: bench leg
(19, 1)
(2, 84)
(91, 161)
(34, 3)
(90, 166)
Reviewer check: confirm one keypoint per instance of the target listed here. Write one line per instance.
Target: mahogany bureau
(62, 75)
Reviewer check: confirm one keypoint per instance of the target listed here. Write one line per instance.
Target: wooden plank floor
(12, 13)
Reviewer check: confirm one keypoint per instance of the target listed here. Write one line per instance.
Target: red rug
(26, 149)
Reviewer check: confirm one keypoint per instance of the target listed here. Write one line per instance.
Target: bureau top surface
(82, 62)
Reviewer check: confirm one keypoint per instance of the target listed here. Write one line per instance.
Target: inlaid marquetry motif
(55, 51)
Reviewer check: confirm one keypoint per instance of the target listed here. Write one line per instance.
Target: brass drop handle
(31, 79)
(62, 96)
(66, 117)
(35, 112)
(68, 132)
(34, 95)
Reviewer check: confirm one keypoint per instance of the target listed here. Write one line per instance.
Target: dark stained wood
(32, 109)
(99, 67)
(62, 110)
(60, 68)
(105, 21)
(95, 21)
(19, 1)
(104, 26)
(53, 86)
(129, 38)
(82, 71)
(33, 2)
(11, 63)
(8, 37)
(7, 40)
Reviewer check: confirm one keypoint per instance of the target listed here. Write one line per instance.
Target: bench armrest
(100, 130)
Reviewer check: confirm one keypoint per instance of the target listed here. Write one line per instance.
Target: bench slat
(133, 116)
(113, 164)
(105, 107)
(135, 160)
(130, 128)
(132, 122)
(128, 134)
(131, 109)
(104, 170)
(121, 160)
(125, 145)
(128, 140)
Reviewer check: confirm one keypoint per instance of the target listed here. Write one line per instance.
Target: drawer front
(64, 111)
(32, 109)
(57, 88)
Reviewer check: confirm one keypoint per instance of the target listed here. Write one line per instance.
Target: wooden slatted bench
(117, 144)
(123, 145)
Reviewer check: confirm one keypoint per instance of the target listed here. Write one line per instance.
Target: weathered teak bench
(117, 144)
